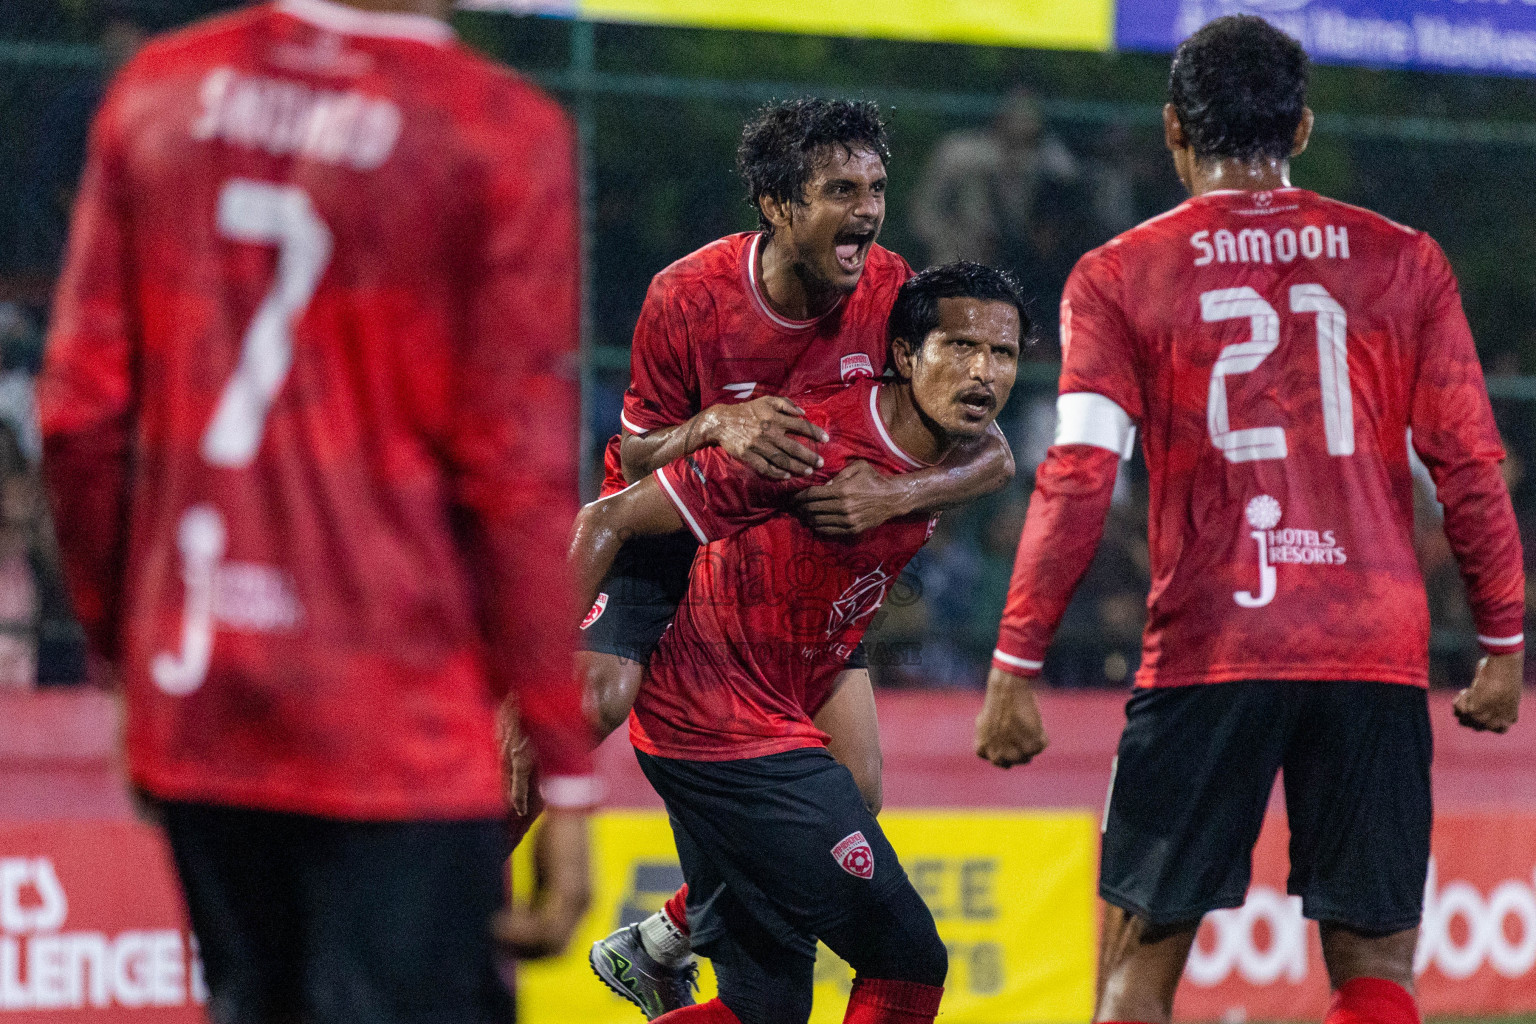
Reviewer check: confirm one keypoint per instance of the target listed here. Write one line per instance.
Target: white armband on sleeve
(572, 792)
(1083, 417)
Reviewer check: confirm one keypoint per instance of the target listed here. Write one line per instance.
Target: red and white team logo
(856, 365)
(596, 612)
(854, 856)
(861, 599)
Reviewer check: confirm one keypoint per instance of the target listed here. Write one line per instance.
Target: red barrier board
(92, 928)
(1477, 947)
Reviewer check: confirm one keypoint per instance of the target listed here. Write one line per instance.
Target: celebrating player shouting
(776, 842)
(1275, 348)
(725, 333)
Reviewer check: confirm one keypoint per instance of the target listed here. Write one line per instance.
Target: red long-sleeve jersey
(708, 335)
(310, 415)
(1278, 352)
(773, 609)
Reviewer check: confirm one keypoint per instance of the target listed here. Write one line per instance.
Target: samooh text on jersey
(1255, 245)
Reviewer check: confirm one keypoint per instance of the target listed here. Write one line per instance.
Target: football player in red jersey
(776, 841)
(1278, 352)
(310, 434)
(725, 334)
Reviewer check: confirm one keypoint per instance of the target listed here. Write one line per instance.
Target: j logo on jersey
(854, 856)
(596, 611)
(1288, 546)
(856, 365)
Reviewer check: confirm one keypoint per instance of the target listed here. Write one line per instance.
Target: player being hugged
(776, 842)
(726, 337)
(1276, 349)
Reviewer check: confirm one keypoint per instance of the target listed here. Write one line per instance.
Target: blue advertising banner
(1493, 37)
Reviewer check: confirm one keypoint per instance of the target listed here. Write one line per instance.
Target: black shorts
(783, 840)
(339, 922)
(640, 596)
(1192, 781)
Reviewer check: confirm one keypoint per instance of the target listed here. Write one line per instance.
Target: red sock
(712, 1012)
(882, 1001)
(676, 910)
(1372, 1001)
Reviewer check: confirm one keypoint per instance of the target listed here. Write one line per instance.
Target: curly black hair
(916, 311)
(1239, 86)
(782, 143)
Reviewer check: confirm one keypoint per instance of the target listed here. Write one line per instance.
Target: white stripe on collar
(885, 435)
(762, 300)
(350, 21)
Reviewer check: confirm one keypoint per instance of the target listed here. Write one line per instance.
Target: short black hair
(1239, 86)
(917, 303)
(782, 142)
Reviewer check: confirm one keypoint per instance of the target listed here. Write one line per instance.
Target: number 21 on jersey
(257, 213)
(1253, 444)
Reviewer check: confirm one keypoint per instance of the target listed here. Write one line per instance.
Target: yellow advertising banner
(1012, 893)
(1052, 24)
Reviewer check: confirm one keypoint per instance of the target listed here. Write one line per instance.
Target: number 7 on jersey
(265, 214)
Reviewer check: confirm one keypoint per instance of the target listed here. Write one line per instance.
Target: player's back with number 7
(311, 416)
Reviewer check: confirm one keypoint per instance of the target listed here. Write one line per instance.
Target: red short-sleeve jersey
(310, 414)
(707, 335)
(1279, 352)
(773, 609)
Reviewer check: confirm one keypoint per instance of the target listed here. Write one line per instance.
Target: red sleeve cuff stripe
(1013, 661)
(1501, 641)
(693, 524)
(572, 792)
(632, 427)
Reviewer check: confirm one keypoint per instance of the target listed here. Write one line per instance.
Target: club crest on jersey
(596, 612)
(854, 856)
(856, 365)
(1289, 546)
(861, 599)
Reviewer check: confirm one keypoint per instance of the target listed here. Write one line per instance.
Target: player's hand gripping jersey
(1274, 349)
(319, 316)
(707, 335)
(773, 609)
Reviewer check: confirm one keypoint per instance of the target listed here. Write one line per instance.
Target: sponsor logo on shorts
(596, 612)
(857, 365)
(854, 856)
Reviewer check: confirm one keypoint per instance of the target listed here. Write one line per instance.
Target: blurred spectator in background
(19, 517)
(976, 200)
(121, 28)
(1112, 170)
(21, 356)
(40, 644)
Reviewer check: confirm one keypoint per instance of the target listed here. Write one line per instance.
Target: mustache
(981, 395)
